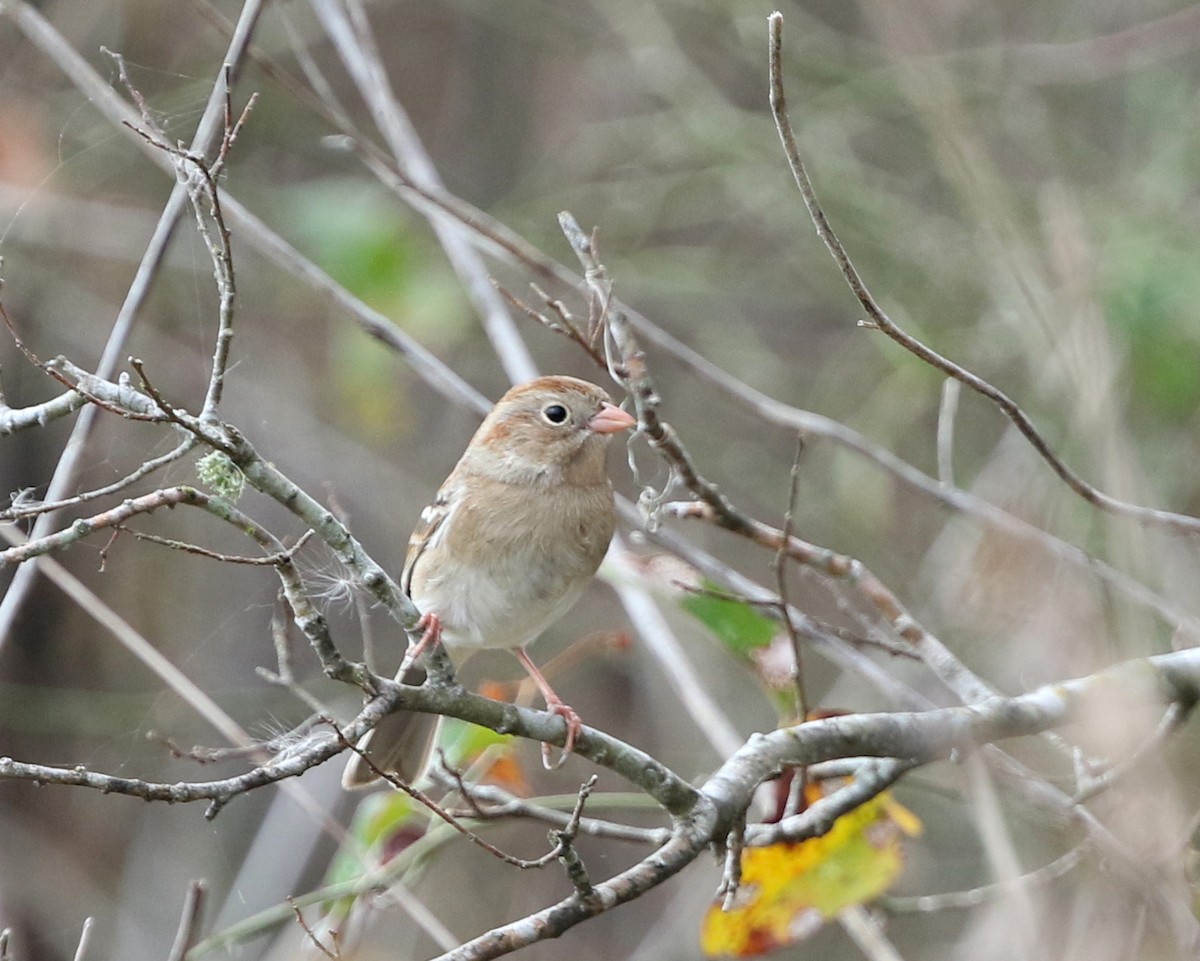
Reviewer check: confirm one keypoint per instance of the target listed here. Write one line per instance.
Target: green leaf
(379, 818)
(738, 625)
(463, 742)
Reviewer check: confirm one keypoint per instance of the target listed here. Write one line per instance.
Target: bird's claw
(574, 726)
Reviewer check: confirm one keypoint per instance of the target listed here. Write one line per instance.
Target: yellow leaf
(789, 890)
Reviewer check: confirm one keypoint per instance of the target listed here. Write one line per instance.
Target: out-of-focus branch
(350, 34)
(1093, 58)
(189, 921)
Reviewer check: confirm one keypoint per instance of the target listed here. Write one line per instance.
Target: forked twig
(333, 954)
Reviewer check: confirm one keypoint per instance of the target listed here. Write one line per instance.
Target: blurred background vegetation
(1016, 180)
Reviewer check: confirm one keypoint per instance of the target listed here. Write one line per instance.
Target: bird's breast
(507, 569)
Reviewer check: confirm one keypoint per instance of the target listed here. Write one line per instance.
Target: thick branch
(910, 738)
(13, 419)
(659, 782)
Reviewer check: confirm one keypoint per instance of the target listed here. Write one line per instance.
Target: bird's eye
(555, 413)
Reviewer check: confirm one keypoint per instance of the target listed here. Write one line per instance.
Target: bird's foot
(431, 627)
(574, 726)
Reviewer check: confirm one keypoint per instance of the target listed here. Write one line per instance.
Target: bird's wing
(430, 529)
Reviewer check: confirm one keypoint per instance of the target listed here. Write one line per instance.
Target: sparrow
(510, 542)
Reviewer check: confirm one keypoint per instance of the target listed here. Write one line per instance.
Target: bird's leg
(431, 625)
(555, 705)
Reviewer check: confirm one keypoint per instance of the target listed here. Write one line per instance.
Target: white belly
(479, 609)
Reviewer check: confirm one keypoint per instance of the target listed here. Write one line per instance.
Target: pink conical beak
(611, 420)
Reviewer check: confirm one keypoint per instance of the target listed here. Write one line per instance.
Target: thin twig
(188, 931)
(24, 509)
(947, 410)
(212, 755)
(333, 955)
(204, 188)
(565, 836)
(504, 804)
(85, 939)
(270, 560)
(564, 324)
(973, 897)
(779, 566)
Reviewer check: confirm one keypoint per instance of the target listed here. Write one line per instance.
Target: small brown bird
(508, 545)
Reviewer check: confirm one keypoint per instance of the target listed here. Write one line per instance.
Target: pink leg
(555, 705)
(432, 626)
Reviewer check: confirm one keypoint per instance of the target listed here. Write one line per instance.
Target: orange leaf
(506, 772)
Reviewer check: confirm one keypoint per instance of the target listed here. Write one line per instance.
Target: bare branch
(333, 954)
(13, 419)
(674, 793)
(270, 560)
(85, 526)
